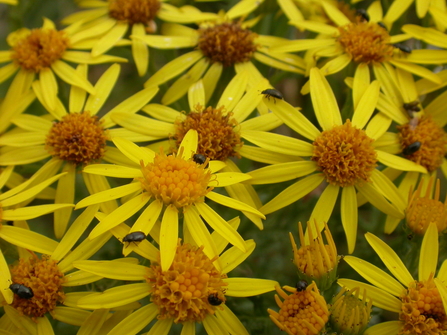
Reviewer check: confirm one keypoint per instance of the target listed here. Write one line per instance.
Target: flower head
(301, 312)
(421, 304)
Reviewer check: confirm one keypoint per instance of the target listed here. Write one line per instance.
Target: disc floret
(78, 138)
(182, 292)
(345, 155)
(37, 49)
(218, 131)
(134, 11)
(45, 280)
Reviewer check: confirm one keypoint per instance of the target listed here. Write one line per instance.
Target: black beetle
(402, 48)
(214, 299)
(363, 14)
(199, 158)
(382, 25)
(136, 236)
(412, 107)
(411, 148)
(301, 285)
(271, 92)
(22, 291)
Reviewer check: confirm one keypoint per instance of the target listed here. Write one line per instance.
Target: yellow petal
(31, 212)
(336, 65)
(233, 203)
(326, 201)
(248, 287)
(366, 105)
(196, 95)
(168, 237)
(188, 147)
(136, 321)
(399, 163)
(110, 39)
(133, 151)
(349, 215)
(428, 259)
(114, 193)
(233, 257)
(335, 14)
(110, 170)
(70, 76)
(230, 178)
(323, 101)
(140, 51)
(282, 172)
(110, 269)
(28, 239)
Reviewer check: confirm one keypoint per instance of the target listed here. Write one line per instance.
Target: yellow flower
(219, 129)
(421, 137)
(9, 2)
(220, 43)
(194, 288)
(107, 22)
(362, 42)
(171, 184)
(47, 276)
(344, 155)
(421, 303)
(43, 51)
(75, 138)
(303, 312)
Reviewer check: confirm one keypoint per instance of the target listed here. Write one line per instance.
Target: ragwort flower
(192, 290)
(171, 185)
(106, 23)
(73, 138)
(43, 51)
(421, 304)
(343, 154)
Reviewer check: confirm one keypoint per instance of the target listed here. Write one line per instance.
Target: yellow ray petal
(278, 143)
(115, 297)
(114, 193)
(268, 58)
(234, 91)
(163, 113)
(70, 315)
(335, 14)
(366, 105)
(248, 287)
(140, 51)
(377, 126)
(293, 193)
(388, 189)
(265, 156)
(28, 239)
(282, 172)
(21, 321)
(70, 76)
(103, 87)
(233, 203)
(428, 260)
(110, 39)
(109, 269)
(232, 322)
(349, 215)
(264, 122)
(230, 178)
(120, 214)
(336, 65)
(231, 258)
(220, 225)
(110, 170)
(377, 200)
(147, 219)
(7, 71)
(302, 45)
(133, 151)
(395, 11)
(196, 95)
(50, 91)
(323, 101)
(390, 259)
(327, 199)
(188, 147)
(399, 163)
(375, 276)
(211, 78)
(135, 321)
(168, 237)
(293, 118)
(31, 212)
(417, 70)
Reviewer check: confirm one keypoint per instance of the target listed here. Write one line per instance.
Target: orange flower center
(227, 43)
(345, 155)
(183, 292)
(422, 310)
(45, 280)
(366, 42)
(175, 181)
(432, 138)
(135, 11)
(302, 312)
(423, 210)
(38, 49)
(78, 138)
(218, 133)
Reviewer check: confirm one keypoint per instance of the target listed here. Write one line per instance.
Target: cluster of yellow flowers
(162, 172)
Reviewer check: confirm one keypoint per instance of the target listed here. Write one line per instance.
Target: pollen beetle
(136, 236)
(301, 285)
(411, 148)
(363, 14)
(199, 158)
(214, 299)
(412, 107)
(271, 92)
(22, 291)
(402, 48)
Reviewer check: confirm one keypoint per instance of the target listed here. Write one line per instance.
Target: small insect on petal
(363, 14)
(136, 236)
(382, 25)
(412, 148)
(199, 159)
(301, 285)
(272, 93)
(214, 299)
(402, 48)
(22, 291)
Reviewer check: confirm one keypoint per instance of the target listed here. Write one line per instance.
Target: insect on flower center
(182, 292)
(302, 312)
(78, 138)
(218, 132)
(45, 280)
(175, 181)
(345, 155)
(37, 49)
(432, 138)
(135, 11)
(366, 42)
(227, 43)
(422, 310)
